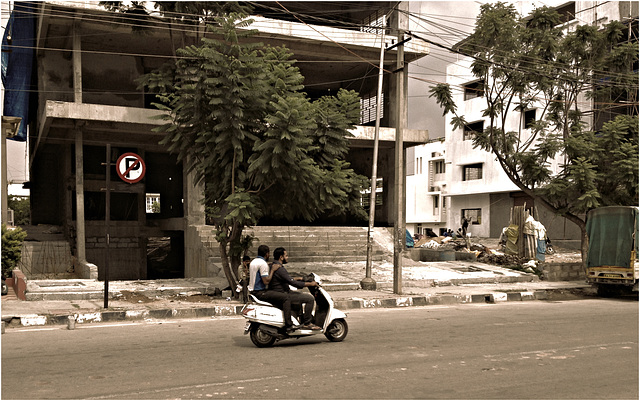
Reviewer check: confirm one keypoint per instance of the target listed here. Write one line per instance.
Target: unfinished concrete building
(88, 60)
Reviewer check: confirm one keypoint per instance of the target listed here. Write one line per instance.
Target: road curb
(233, 310)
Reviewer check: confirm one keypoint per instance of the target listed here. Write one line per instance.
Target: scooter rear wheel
(260, 338)
(337, 330)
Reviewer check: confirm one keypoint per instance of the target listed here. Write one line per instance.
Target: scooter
(265, 322)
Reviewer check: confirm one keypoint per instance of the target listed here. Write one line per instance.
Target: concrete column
(77, 62)
(80, 222)
(142, 222)
(401, 24)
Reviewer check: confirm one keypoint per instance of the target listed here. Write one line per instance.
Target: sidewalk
(424, 283)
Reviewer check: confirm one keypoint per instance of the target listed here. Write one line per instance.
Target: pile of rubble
(483, 253)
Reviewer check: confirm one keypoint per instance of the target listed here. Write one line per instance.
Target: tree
(238, 120)
(12, 240)
(21, 208)
(534, 62)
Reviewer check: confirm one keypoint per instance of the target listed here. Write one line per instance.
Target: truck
(612, 257)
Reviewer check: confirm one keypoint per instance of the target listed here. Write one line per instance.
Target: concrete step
(306, 244)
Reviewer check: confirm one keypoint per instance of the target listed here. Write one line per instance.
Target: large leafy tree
(533, 62)
(237, 117)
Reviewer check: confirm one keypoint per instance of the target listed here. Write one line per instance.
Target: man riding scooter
(280, 282)
(259, 278)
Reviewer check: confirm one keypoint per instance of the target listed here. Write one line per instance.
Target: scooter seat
(259, 302)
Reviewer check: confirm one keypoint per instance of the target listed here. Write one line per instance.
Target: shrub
(11, 248)
(21, 209)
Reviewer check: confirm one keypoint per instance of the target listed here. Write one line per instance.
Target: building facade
(91, 112)
(474, 185)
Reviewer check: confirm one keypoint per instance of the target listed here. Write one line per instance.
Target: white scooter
(265, 322)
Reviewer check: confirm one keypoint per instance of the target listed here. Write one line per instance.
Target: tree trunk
(584, 245)
(224, 256)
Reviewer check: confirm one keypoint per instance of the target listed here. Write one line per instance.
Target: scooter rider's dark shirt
(281, 280)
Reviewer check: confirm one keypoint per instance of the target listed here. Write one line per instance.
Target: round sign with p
(130, 167)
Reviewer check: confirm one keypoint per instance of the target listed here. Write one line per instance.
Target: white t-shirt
(258, 268)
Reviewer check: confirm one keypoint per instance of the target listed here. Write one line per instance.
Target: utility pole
(401, 82)
(368, 283)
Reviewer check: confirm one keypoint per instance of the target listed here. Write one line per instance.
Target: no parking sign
(130, 167)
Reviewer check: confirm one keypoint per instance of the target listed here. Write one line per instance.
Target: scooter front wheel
(260, 338)
(337, 330)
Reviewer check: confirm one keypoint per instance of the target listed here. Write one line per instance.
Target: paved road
(585, 349)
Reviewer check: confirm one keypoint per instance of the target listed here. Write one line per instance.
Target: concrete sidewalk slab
(16, 313)
(52, 302)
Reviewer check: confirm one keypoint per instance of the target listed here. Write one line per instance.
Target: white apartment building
(472, 183)
(426, 179)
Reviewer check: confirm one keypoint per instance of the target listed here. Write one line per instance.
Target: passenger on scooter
(280, 283)
(259, 278)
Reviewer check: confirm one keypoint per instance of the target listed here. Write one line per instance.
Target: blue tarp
(18, 51)
(409, 239)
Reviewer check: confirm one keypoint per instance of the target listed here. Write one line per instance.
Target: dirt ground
(135, 297)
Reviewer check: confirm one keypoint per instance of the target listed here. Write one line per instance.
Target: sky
(445, 22)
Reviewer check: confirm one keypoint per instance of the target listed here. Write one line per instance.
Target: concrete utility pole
(368, 283)
(401, 24)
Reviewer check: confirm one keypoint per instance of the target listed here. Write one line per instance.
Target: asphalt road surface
(580, 349)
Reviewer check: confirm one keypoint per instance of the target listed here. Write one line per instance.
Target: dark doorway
(165, 256)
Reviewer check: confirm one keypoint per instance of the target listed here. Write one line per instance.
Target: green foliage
(21, 208)
(533, 62)
(11, 248)
(238, 120)
(136, 13)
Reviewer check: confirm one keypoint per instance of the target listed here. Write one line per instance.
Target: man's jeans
(299, 298)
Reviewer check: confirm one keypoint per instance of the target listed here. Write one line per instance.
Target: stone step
(306, 244)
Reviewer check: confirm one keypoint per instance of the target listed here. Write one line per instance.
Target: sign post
(131, 169)
(107, 222)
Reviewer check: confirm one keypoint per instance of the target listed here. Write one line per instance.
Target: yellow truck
(612, 258)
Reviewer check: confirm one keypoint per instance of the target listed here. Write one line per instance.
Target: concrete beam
(295, 31)
(411, 136)
(99, 112)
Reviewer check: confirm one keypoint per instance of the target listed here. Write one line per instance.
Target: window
(436, 203)
(567, 12)
(472, 172)
(368, 107)
(366, 194)
(439, 167)
(153, 203)
(473, 89)
(529, 118)
(473, 215)
(470, 130)
(418, 165)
